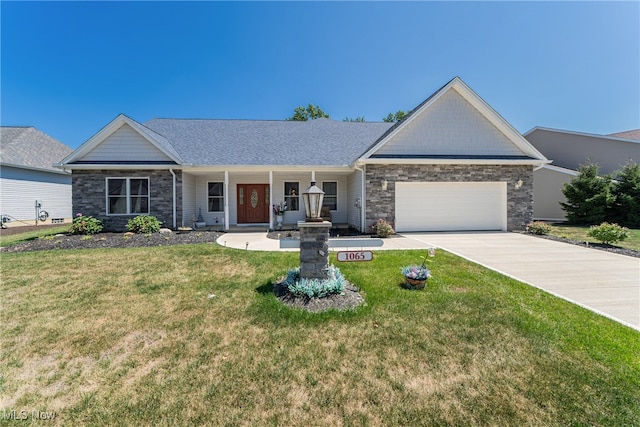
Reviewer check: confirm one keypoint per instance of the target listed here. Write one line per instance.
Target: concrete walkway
(603, 282)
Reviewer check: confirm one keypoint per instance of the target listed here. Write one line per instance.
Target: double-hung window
(292, 195)
(216, 197)
(330, 200)
(127, 196)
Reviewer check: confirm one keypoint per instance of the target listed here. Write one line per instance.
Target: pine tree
(589, 196)
(626, 208)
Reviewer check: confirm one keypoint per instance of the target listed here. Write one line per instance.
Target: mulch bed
(349, 299)
(599, 246)
(113, 240)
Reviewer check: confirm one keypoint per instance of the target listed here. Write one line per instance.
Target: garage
(451, 206)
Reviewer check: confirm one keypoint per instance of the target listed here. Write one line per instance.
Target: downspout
(363, 201)
(174, 198)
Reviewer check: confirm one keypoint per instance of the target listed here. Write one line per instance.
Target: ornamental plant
(85, 225)
(383, 228)
(416, 272)
(280, 208)
(608, 233)
(539, 228)
(144, 224)
(315, 288)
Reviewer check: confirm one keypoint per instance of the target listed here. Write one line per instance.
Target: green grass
(579, 233)
(31, 235)
(192, 335)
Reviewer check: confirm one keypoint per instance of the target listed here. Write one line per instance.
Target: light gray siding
(188, 200)
(547, 193)
(125, 144)
(20, 188)
(451, 126)
(570, 150)
(354, 183)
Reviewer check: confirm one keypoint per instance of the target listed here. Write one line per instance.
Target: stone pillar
(314, 249)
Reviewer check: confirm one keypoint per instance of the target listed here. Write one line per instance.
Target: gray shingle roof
(27, 146)
(630, 134)
(320, 142)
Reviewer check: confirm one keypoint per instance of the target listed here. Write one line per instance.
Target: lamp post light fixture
(313, 197)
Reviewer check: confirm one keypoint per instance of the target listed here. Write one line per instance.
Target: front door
(253, 203)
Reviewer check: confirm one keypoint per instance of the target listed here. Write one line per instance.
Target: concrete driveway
(604, 282)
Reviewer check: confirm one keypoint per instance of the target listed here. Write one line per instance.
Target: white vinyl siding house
(27, 175)
(453, 136)
(21, 187)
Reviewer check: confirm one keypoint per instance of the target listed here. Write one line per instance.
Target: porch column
(270, 198)
(226, 200)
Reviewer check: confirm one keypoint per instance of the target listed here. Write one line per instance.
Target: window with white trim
(292, 195)
(330, 189)
(127, 196)
(216, 196)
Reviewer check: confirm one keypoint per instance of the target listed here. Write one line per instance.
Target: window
(292, 195)
(127, 196)
(216, 197)
(330, 201)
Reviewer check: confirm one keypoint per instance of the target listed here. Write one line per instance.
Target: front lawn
(192, 335)
(579, 233)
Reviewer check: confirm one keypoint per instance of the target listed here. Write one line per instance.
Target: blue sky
(68, 68)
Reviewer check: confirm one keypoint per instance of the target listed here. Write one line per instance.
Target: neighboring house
(27, 174)
(452, 164)
(568, 150)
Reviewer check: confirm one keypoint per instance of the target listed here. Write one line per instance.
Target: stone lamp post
(314, 236)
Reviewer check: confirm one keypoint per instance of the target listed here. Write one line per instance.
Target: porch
(242, 201)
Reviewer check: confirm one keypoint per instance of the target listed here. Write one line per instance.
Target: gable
(125, 144)
(455, 126)
(451, 126)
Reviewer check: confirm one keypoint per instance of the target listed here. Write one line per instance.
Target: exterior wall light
(385, 184)
(519, 184)
(313, 197)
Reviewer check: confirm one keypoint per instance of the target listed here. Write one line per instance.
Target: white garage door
(451, 206)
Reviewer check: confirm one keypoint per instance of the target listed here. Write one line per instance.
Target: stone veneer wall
(381, 204)
(89, 195)
(314, 249)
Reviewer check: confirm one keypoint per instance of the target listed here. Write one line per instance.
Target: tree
(391, 117)
(626, 207)
(310, 112)
(359, 119)
(589, 196)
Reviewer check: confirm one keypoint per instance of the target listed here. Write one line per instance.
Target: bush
(383, 228)
(85, 225)
(608, 233)
(539, 228)
(144, 224)
(314, 288)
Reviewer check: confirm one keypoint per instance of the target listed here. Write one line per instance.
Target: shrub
(144, 224)
(85, 225)
(383, 228)
(539, 228)
(608, 233)
(314, 288)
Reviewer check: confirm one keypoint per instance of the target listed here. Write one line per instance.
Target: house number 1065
(351, 256)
